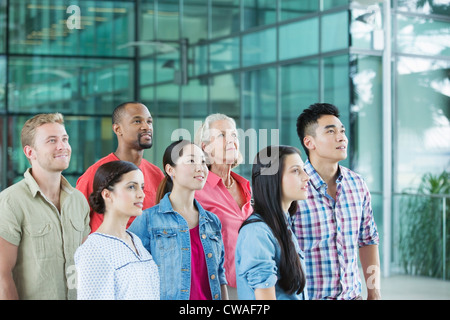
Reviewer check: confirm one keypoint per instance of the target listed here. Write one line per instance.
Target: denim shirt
(165, 234)
(257, 261)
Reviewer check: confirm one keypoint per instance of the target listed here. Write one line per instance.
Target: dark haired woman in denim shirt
(184, 239)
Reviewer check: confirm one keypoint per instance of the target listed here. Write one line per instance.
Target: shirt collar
(315, 179)
(213, 180)
(165, 206)
(34, 187)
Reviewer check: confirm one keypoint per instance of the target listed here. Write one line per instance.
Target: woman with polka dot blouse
(112, 263)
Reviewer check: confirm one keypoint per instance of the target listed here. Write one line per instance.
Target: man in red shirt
(133, 126)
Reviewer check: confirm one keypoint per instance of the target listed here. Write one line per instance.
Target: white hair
(202, 134)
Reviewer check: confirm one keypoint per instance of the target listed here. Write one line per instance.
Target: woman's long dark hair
(171, 155)
(267, 173)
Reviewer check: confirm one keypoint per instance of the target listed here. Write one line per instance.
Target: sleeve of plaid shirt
(368, 234)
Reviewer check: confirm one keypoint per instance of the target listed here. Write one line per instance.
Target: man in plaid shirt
(336, 222)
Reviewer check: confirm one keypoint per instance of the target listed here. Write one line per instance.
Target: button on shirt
(165, 234)
(46, 238)
(330, 232)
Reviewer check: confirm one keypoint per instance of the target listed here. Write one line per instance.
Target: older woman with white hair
(226, 194)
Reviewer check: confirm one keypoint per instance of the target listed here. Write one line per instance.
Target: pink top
(200, 289)
(214, 197)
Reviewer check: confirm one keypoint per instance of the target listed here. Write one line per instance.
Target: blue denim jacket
(257, 260)
(165, 233)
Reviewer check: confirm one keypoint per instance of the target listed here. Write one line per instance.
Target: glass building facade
(385, 64)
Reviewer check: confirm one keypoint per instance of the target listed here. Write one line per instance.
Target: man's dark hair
(307, 120)
(118, 111)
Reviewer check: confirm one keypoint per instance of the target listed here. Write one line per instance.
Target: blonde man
(43, 219)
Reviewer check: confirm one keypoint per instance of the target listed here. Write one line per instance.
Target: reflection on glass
(337, 91)
(168, 15)
(41, 27)
(259, 47)
(293, 8)
(2, 82)
(366, 28)
(259, 13)
(195, 99)
(2, 26)
(415, 216)
(195, 21)
(299, 89)
(423, 36)
(366, 115)
(225, 18)
(334, 32)
(224, 94)
(425, 7)
(299, 39)
(224, 55)
(423, 126)
(329, 4)
(70, 85)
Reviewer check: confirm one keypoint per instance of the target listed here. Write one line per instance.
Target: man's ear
(29, 153)
(117, 129)
(308, 141)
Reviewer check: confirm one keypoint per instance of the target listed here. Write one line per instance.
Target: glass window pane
(422, 127)
(299, 39)
(195, 21)
(147, 27)
(426, 7)
(423, 36)
(259, 13)
(224, 95)
(366, 114)
(2, 82)
(2, 26)
(168, 15)
(259, 47)
(197, 62)
(337, 91)
(329, 4)
(299, 89)
(72, 85)
(293, 8)
(3, 164)
(366, 28)
(260, 115)
(224, 17)
(42, 27)
(224, 55)
(334, 31)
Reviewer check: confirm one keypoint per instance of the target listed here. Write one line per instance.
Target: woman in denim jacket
(269, 262)
(183, 238)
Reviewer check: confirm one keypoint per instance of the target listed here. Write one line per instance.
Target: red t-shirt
(200, 289)
(152, 178)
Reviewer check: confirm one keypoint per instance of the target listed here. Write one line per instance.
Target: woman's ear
(106, 195)
(169, 170)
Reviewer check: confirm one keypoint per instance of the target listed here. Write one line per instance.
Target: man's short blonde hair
(30, 126)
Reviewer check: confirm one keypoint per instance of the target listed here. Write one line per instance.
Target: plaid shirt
(331, 232)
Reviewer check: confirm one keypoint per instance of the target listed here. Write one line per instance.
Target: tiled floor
(402, 287)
